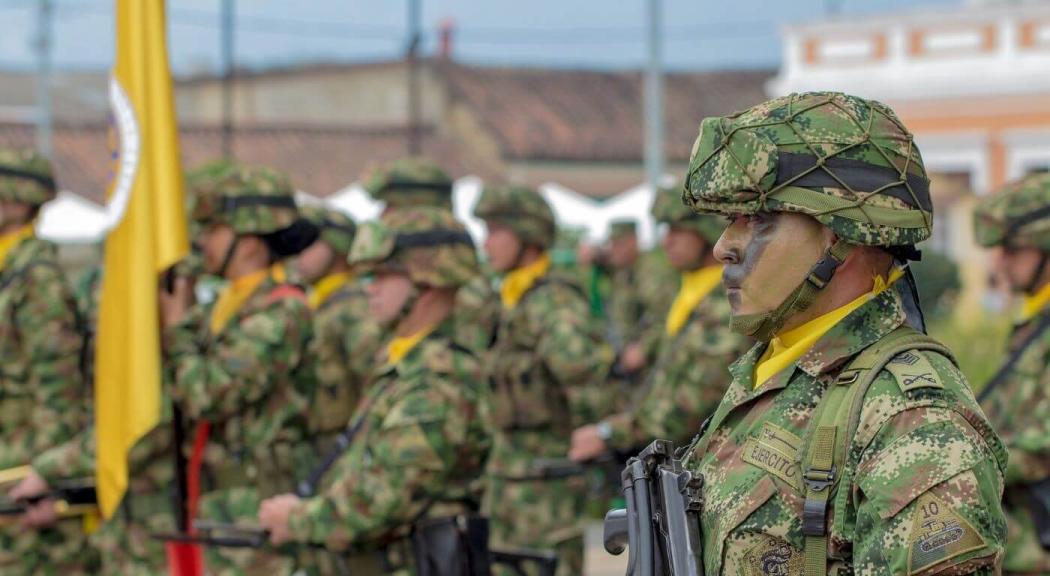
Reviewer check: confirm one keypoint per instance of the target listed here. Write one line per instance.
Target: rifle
(72, 498)
(661, 524)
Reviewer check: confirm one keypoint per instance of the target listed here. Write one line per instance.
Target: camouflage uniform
(689, 376)
(44, 400)
(547, 366)
(1019, 405)
(636, 304)
(345, 340)
(420, 450)
(916, 487)
(247, 380)
(410, 182)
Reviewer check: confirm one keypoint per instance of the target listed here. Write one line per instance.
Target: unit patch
(938, 533)
(774, 557)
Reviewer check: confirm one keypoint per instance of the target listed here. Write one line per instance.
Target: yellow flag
(147, 235)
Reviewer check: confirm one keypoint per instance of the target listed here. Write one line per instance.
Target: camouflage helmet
(408, 182)
(846, 161)
(521, 209)
(1018, 216)
(622, 227)
(669, 209)
(25, 176)
(336, 228)
(425, 242)
(251, 200)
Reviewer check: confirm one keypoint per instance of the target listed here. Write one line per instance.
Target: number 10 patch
(938, 534)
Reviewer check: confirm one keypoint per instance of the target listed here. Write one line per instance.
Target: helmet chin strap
(763, 325)
(228, 257)
(1033, 282)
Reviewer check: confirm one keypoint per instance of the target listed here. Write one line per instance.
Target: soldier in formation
(848, 440)
(1015, 224)
(421, 435)
(696, 344)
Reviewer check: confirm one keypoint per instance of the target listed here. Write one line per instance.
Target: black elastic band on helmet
(45, 181)
(1014, 224)
(231, 203)
(856, 174)
(401, 185)
(432, 238)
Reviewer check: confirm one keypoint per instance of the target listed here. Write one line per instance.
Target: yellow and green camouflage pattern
(846, 161)
(336, 228)
(521, 209)
(1016, 216)
(26, 176)
(408, 182)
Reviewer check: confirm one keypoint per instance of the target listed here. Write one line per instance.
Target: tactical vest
(526, 394)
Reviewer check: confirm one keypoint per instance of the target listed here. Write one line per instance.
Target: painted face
(214, 242)
(314, 262)
(1017, 266)
(684, 248)
(502, 246)
(623, 250)
(766, 256)
(388, 294)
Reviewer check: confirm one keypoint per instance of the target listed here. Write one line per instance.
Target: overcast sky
(590, 33)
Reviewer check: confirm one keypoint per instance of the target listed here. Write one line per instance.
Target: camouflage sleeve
(216, 381)
(73, 459)
(1029, 445)
(928, 484)
(47, 321)
(385, 482)
(361, 340)
(686, 387)
(570, 349)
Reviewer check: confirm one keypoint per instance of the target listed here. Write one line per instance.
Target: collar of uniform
(9, 241)
(327, 286)
(518, 281)
(860, 329)
(443, 329)
(1035, 303)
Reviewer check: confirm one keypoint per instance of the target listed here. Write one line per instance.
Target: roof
(591, 115)
(320, 161)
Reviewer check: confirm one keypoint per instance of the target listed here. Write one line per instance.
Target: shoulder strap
(1015, 356)
(832, 429)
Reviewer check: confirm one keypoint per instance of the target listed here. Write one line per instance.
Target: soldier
(345, 339)
(44, 400)
(422, 429)
(413, 181)
(124, 541)
(1015, 223)
(546, 364)
(689, 376)
(848, 441)
(237, 365)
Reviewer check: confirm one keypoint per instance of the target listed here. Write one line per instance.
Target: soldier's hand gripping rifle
(661, 524)
(72, 497)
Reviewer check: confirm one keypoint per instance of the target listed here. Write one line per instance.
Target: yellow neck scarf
(696, 285)
(236, 293)
(787, 347)
(1035, 303)
(400, 346)
(519, 280)
(11, 239)
(327, 286)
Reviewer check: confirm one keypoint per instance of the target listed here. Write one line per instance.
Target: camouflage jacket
(1019, 410)
(688, 379)
(477, 313)
(638, 300)
(419, 453)
(924, 470)
(43, 399)
(250, 383)
(548, 368)
(342, 352)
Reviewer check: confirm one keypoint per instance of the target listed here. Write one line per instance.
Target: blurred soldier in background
(237, 364)
(690, 376)
(1015, 223)
(842, 404)
(411, 182)
(44, 398)
(414, 464)
(547, 366)
(345, 339)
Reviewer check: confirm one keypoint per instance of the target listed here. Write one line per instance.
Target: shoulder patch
(938, 534)
(912, 370)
